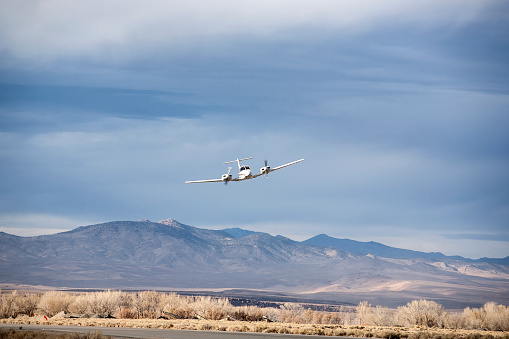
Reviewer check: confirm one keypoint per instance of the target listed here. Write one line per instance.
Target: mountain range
(168, 255)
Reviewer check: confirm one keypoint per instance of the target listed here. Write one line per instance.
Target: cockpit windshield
(244, 168)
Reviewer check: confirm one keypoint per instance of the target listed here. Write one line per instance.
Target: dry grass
(417, 319)
(263, 327)
(13, 334)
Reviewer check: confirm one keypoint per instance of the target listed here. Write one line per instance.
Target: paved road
(125, 332)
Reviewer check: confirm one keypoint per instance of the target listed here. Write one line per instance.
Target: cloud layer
(58, 29)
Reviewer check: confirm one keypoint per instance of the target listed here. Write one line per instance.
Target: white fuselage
(245, 172)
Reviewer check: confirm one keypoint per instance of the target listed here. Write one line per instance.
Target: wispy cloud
(86, 103)
(38, 224)
(480, 236)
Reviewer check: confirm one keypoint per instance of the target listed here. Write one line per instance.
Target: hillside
(170, 255)
(375, 248)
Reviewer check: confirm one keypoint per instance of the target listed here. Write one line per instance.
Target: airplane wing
(279, 167)
(198, 181)
(290, 163)
(211, 180)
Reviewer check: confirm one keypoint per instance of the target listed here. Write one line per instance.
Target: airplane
(244, 172)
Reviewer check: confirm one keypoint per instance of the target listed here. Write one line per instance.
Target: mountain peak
(170, 222)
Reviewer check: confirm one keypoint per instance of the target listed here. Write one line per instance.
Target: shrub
(26, 304)
(55, 302)
(362, 312)
(491, 316)
(291, 313)
(455, 320)
(332, 318)
(6, 305)
(126, 313)
(369, 315)
(13, 304)
(210, 308)
(177, 305)
(422, 313)
(146, 303)
(496, 317)
(151, 304)
(106, 302)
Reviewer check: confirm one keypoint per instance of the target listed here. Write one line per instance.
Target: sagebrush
(153, 305)
(427, 313)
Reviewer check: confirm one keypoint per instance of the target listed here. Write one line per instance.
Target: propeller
(266, 169)
(227, 177)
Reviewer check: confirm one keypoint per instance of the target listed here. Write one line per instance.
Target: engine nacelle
(265, 170)
(226, 177)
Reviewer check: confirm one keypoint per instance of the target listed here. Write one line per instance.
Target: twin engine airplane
(244, 172)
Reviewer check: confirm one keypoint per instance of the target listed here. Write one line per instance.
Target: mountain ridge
(169, 254)
(372, 247)
(375, 248)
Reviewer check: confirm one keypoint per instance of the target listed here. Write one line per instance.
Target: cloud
(503, 237)
(360, 169)
(59, 29)
(38, 224)
(52, 107)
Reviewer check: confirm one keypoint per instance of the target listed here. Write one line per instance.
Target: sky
(400, 110)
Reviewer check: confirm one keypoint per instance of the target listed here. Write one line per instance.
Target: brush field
(149, 309)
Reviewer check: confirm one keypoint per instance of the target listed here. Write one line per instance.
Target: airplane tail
(237, 161)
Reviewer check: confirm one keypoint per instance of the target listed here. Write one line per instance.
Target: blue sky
(401, 110)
